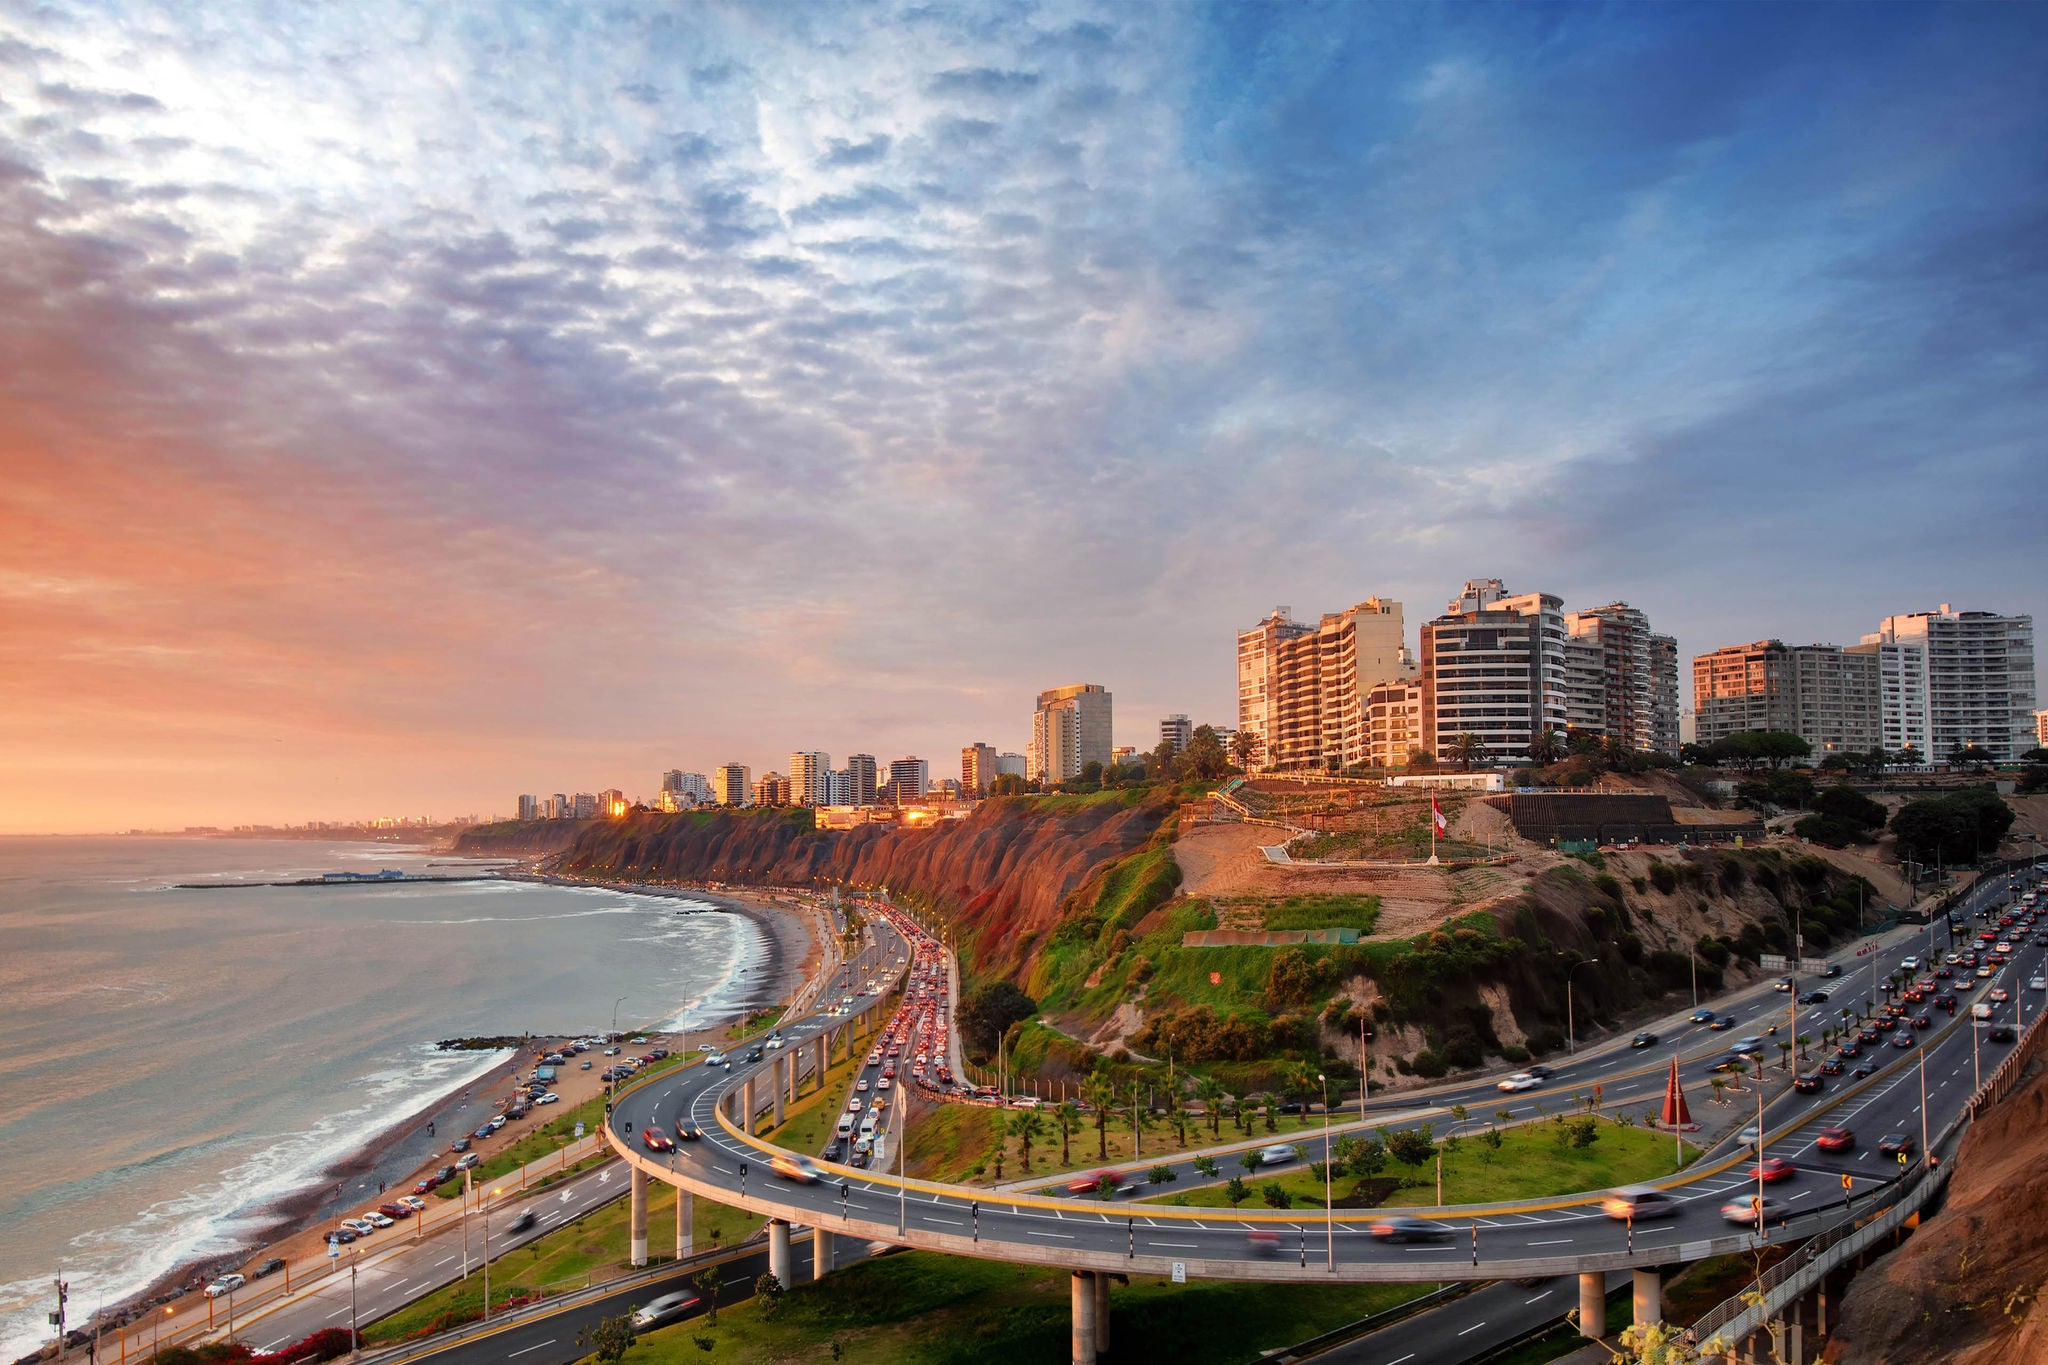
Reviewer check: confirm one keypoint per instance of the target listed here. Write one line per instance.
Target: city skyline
(400, 407)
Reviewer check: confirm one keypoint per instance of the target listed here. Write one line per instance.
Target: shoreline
(293, 1226)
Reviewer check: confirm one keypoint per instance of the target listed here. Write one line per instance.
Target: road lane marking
(1558, 1243)
(1063, 1236)
(535, 1347)
(1539, 1298)
(1473, 1328)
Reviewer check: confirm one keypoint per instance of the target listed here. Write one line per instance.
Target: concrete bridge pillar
(778, 1253)
(1101, 1314)
(686, 1217)
(1649, 1297)
(775, 1079)
(824, 1060)
(1794, 1336)
(638, 1217)
(795, 1066)
(822, 1249)
(747, 1107)
(1593, 1304)
(1084, 1317)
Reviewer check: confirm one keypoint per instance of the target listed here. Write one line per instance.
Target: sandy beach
(790, 948)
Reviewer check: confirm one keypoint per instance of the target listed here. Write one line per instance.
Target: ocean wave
(109, 1264)
(521, 919)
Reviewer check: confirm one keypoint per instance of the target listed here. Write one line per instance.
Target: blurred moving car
(658, 1312)
(1400, 1229)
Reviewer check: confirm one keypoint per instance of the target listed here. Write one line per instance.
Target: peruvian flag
(1436, 813)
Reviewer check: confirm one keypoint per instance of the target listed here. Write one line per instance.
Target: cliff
(1003, 873)
(1967, 1287)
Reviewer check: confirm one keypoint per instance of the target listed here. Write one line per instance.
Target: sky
(403, 407)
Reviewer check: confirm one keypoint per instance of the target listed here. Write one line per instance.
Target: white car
(413, 1202)
(2037, 983)
(1911, 964)
(226, 1284)
(1521, 1080)
(377, 1220)
(550, 1098)
(1278, 1156)
(361, 1227)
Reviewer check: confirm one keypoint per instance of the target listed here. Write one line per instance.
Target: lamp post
(1570, 1027)
(355, 1340)
(1329, 1202)
(156, 1336)
(615, 1011)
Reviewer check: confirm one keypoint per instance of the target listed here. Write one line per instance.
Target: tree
(1412, 1146)
(768, 1292)
(1159, 1175)
(1210, 1092)
(708, 1282)
(1009, 784)
(1068, 1117)
(1249, 1159)
(1204, 758)
(999, 1131)
(1468, 749)
(1244, 747)
(1028, 1126)
(1205, 1167)
(1547, 747)
(607, 1339)
(1369, 1158)
(1954, 829)
(989, 1010)
(1098, 1091)
(1274, 1195)
(1235, 1191)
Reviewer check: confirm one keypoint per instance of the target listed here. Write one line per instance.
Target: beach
(415, 1146)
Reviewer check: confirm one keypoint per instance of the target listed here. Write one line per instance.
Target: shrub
(1514, 1052)
(1428, 1064)
(1663, 876)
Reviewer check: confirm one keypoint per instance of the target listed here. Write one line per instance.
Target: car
(1092, 1183)
(395, 1210)
(1643, 1039)
(586, 1064)
(1896, 1145)
(687, 1131)
(654, 1140)
(1944, 973)
(1888, 1023)
(1634, 1203)
(1869, 1037)
(1981, 1010)
(1831, 1067)
(1702, 1015)
(445, 1174)
(1985, 971)
(1541, 1073)
(497, 1122)
(1521, 1080)
(1923, 1020)
(269, 1267)
(1863, 1069)
(661, 1311)
(1808, 1084)
(413, 1202)
(226, 1284)
(1834, 969)
(854, 1104)
(1852, 1048)
(1835, 1140)
(1999, 996)
(358, 1226)
(1722, 1022)
(1902, 1039)
(1947, 1002)
(1910, 964)
(1773, 1169)
(801, 1169)
(2001, 1033)
(611, 1052)
(424, 1185)
(861, 1084)
(550, 1098)
(2037, 983)
(1402, 1229)
(524, 1221)
(483, 1132)
(1751, 1209)
(1278, 1155)
(343, 1235)
(460, 1144)
(1783, 983)
(1813, 998)
(2001, 947)
(1747, 1137)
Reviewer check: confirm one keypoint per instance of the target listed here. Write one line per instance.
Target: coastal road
(1507, 1241)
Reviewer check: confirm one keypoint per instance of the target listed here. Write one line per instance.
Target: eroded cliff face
(1002, 873)
(1971, 1286)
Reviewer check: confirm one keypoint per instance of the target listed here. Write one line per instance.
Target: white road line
(1558, 1243)
(1540, 1297)
(1408, 1357)
(1184, 1246)
(955, 1222)
(535, 1347)
(1063, 1236)
(1473, 1328)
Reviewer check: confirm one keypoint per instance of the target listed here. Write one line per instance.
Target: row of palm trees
(1131, 1104)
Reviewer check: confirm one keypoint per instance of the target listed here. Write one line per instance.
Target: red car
(1773, 1169)
(654, 1140)
(1835, 1140)
(1092, 1184)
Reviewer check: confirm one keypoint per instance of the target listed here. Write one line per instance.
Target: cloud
(982, 80)
(867, 152)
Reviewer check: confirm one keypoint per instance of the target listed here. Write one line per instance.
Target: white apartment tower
(909, 779)
(1306, 691)
(1493, 666)
(733, 784)
(1178, 731)
(1069, 730)
(810, 778)
(1621, 678)
(977, 769)
(1950, 679)
(1258, 680)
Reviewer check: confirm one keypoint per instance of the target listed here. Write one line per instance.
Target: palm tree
(1244, 747)
(1100, 1094)
(1547, 747)
(999, 1129)
(1468, 749)
(1068, 1117)
(1209, 1091)
(1030, 1125)
(1719, 1085)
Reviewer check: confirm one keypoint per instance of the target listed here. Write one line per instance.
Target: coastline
(787, 949)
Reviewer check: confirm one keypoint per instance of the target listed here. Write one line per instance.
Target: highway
(1545, 1238)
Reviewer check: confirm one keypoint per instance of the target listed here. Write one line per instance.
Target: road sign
(579, 1128)
(1180, 1272)
(1848, 1183)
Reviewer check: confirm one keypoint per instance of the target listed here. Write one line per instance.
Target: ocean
(174, 1063)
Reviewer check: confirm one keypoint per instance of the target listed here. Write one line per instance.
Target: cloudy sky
(405, 406)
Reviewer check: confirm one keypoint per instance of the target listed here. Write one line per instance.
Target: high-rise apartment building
(909, 779)
(1069, 730)
(733, 784)
(977, 769)
(771, 790)
(862, 779)
(692, 788)
(1394, 723)
(1303, 690)
(1621, 678)
(1952, 679)
(2041, 729)
(1013, 765)
(586, 806)
(561, 807)
(612, 803)
(529, 807)
(1178, 731)
(1493, 666)
(810, 778)
(1827, 695)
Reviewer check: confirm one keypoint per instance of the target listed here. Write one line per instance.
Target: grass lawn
(1531, 1164)
(590, 1249)
(810, 1121)
(924, 1309)
(955, 1138)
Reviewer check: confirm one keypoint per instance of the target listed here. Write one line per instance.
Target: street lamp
(615, 1011)
(1329, 1203)
(1570, 1031)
